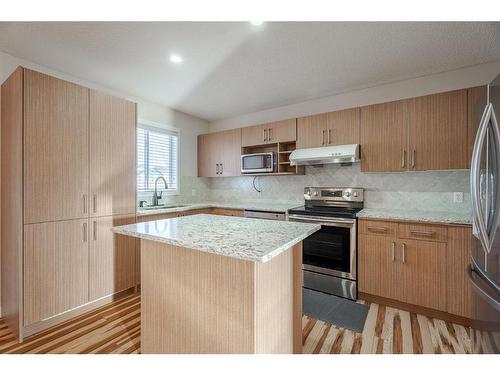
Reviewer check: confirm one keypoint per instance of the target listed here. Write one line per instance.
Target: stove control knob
(347, 194)
(315, 193)
(355, 194)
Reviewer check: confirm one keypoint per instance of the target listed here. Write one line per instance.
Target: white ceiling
(232, 68)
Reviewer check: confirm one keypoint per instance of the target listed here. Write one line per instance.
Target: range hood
(325, 155)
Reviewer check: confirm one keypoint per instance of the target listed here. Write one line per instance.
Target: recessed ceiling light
(256, 23)
(176, 59)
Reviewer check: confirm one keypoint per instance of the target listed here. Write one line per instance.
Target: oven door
(332, 249)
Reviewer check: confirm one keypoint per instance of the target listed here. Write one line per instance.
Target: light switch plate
(458, 197)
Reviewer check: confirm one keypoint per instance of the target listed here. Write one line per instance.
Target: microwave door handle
(478, 219)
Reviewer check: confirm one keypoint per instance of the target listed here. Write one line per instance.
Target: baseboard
(37, 327)
(443, 315)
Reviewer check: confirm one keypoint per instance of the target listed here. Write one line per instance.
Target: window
(157, 155)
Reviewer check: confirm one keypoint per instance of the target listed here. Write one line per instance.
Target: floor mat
(339, 311)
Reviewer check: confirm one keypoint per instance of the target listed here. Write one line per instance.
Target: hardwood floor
(115, 328)
(387, 331)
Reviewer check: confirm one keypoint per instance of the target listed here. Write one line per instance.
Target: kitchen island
(220, 284)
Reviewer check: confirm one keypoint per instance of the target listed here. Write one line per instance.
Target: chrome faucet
(155, 195)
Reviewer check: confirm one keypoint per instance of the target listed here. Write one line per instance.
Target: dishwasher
(269, 215)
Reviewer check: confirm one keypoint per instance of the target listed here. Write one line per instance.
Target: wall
(453, 80)
(189, 126)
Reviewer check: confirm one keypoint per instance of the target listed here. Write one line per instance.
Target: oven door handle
(324, 220)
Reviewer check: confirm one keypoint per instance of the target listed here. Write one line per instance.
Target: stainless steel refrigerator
(484, 269)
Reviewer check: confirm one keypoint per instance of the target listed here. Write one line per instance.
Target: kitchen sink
(162, 206)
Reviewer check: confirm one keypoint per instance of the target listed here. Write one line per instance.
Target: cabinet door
(229, 143)
(253, 135)
(56, 265)
(112, 257)
(423, 273)
(438, 131)
(384, 137)
(343, 127)
(476, 103)
(282, 131)
(458, 288)
(56, 149)
(376, 266)
(311, 131)
(207, 156)
(112, 155)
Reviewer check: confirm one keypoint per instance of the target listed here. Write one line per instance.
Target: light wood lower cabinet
(422, 273)
(227, 212)
(112, 257)
(418, 264)
(377, 270)
(56, 264)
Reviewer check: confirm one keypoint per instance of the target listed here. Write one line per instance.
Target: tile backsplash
(405, 190)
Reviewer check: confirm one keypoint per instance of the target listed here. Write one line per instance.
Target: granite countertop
(273, 207)
(237, 237)
(445, 217)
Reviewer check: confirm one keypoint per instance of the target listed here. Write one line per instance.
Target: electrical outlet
(458, 197)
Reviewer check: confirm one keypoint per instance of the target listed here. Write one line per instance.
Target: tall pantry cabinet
(68, 176)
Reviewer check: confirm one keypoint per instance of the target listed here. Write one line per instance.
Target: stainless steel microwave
(258, 163)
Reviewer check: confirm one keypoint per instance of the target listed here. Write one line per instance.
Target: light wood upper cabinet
(438, 131)
(219, 154)
(254, 135)
(229, 144)
(311, 131)
(56, 264)
(112, 257)
(56, 149)
(422, 274)
(282, 131)
(207, 154)
(273, 132)
(112, 155)
(329, 129)
(384, 137)
(343, 127)
(476, 102)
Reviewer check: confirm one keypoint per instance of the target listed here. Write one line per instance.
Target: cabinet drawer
(376, 227)
(227, 212)
(423, 232)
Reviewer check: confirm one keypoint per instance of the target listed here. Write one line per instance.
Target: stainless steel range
(329, 255)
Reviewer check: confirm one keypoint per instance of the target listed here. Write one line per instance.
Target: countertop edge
(262, 259)
(387, 215)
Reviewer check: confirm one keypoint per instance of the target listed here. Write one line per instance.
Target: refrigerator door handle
(474, 269)
(478, 219)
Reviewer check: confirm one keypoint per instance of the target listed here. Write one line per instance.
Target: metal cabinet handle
(378, 229)
(269, 134)
(217, 168)
(403, 258)
(322, 137)
(423, 233)
(413, 158)
(84, 203)
(84, 232)
(221, 168)
(95, 230)
(403, 159)
(329, 136)
(265, 135)
(393, 248)
(94, 198)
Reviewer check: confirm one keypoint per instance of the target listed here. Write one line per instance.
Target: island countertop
(255, 240)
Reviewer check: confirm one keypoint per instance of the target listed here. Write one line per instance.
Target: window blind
(157, 155)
